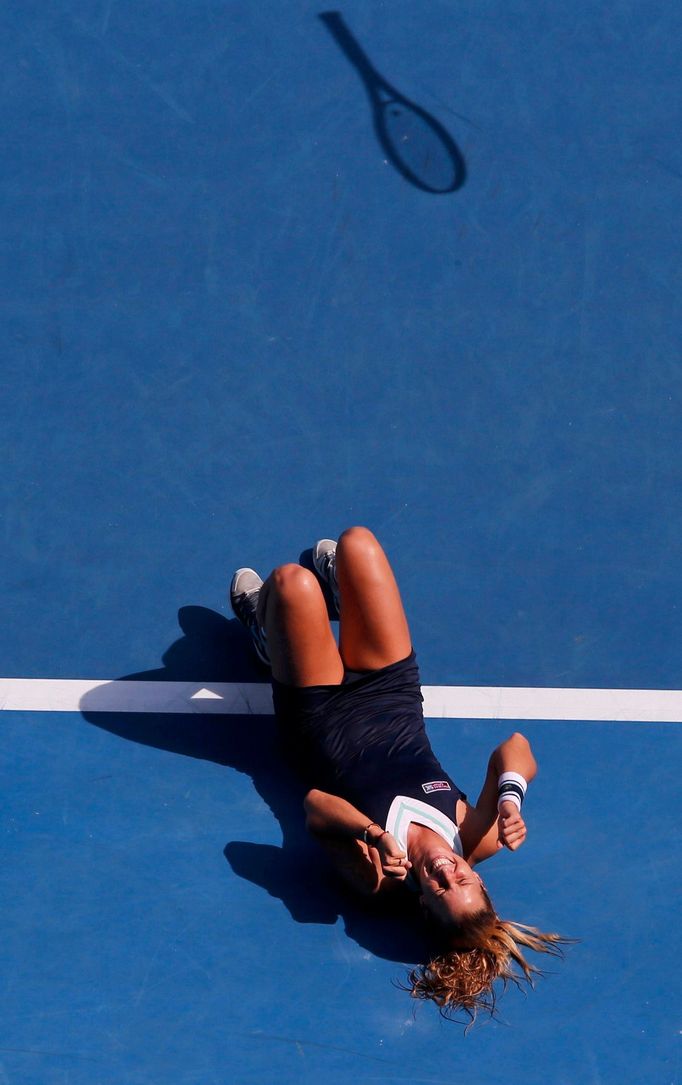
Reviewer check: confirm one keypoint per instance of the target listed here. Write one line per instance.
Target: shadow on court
(414, 142)
(215, 649)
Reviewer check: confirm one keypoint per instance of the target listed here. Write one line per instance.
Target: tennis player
(390, 816)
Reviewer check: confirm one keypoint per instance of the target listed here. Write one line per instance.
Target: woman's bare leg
(373, 626)
(292, 610)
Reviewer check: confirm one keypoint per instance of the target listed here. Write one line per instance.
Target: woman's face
(450, 889)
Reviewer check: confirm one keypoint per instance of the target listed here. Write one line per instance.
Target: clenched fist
(394, 861)
(511, 826)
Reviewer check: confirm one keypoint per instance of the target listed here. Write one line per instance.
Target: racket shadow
(419, 147)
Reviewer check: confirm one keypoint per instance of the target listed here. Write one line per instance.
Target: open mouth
(440, 862)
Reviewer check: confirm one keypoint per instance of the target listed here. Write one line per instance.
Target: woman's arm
(485, 829)
(341, 830)
(331, 816)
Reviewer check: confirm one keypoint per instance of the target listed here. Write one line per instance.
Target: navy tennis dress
(365, 741)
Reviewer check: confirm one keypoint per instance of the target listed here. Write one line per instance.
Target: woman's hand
(510, 826)
(394, 861)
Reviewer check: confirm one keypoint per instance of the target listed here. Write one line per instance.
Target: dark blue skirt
(364, 739)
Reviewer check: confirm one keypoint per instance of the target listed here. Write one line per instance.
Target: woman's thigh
(293, 613)
(373, 627)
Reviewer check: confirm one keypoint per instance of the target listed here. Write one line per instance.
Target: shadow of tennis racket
(418, 145)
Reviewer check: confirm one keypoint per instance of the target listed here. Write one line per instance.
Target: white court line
(253, 698)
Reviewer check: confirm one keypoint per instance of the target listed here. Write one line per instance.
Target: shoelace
(329, 561)
(245, 603)
(329, 567)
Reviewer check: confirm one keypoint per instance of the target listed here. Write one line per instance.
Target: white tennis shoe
(324, 560)
(244, 590)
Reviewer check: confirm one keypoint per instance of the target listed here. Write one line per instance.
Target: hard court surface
(246, 302)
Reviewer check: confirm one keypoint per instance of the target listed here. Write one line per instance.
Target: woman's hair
(480, 950)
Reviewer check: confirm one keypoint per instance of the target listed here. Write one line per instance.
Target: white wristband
(511, 787)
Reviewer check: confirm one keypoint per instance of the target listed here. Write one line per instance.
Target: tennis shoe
(324, 560)
(244, 590)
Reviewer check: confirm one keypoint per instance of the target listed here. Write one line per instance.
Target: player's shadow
(419, 147)
(214, 650)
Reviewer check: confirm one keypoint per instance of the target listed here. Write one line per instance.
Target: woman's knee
(292, 583)
(358, 543)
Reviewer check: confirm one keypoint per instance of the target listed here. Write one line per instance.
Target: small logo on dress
(436, 785)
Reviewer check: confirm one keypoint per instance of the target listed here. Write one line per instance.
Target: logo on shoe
(436, 785)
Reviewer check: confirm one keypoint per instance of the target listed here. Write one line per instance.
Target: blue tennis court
(266, 272)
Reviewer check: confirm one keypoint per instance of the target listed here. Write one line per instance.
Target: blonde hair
(481, 950)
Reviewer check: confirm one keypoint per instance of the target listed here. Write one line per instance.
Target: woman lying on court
(379, 802)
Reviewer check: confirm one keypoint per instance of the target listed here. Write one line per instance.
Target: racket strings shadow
(419, 147)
